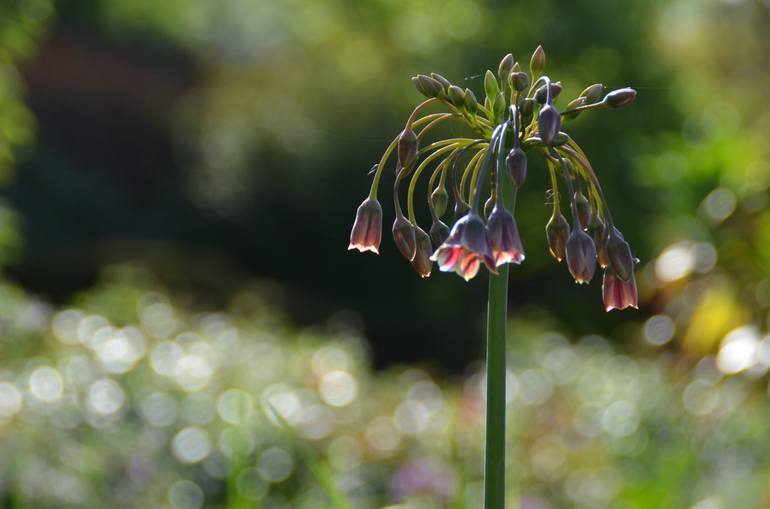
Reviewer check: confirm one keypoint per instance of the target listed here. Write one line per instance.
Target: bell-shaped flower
(504, 237)
(404, 237)
(367, 228)
(556, 232)
(581, 256)
(619, 255)
(618, 294)
(421, 262)
(466, 248)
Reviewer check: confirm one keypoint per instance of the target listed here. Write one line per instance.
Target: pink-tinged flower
(581, 256)
(619, 294)
(367, 228)
(504, 237)
(466, 248)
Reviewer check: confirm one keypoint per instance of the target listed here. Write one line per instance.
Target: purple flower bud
(548, 123)
(519, 80)
(557, 231)
(541, 94)
(403, 235)
(438, 232)
(424, 249)
(367, 228)
(466, 248)
(618, 294)
(620, 97)
(581, 256)
(504, 237)
(619, 255)
(442, 80)
(428, 86)
(592, 93)
(537, 62)
(516, 164)
(505, 67)
(583, 209)
(407, 147)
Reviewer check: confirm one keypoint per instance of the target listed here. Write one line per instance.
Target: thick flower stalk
(481, 173)
(517, 118)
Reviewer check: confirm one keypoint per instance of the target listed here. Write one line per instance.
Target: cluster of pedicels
(517, 117)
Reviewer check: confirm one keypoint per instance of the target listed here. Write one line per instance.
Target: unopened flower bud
(619, 255)
(491, 88)
(403, 235)
(504, 237)
(505, 67)
(548, 123)
(593, 93)
(516, 164)
(407, 147)
(423, 252)
(519, 80)
(442, 80)
(620, 97)
(581, 256)
(556, 232)
(527, 107)
(471, 103)
(438, 232)
(367, 228)
(537, 62)
(541, 94)
(583, 209)
(456, 96)
(439, 199)
(427, 85)
(617, 293)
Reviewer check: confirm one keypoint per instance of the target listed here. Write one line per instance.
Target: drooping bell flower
(619, 255)
(618, 294)
(516, 164)
(581, 256)
(403, 235)
(367, 227)
(504, 237)
(556, 232)
(548, 123)
(438, 232)
(466, 248)
(423, 250)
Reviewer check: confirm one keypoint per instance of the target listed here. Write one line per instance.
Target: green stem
(494, 457)
(497, 319)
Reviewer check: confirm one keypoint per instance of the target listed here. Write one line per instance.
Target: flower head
(483, 171)
(367, 228)
(618, 294)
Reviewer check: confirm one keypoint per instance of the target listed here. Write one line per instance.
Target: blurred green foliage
(131, 400)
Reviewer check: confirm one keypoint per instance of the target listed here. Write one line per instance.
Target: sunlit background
(182, 327)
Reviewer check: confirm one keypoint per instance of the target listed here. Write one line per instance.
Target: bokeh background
(181, 324)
